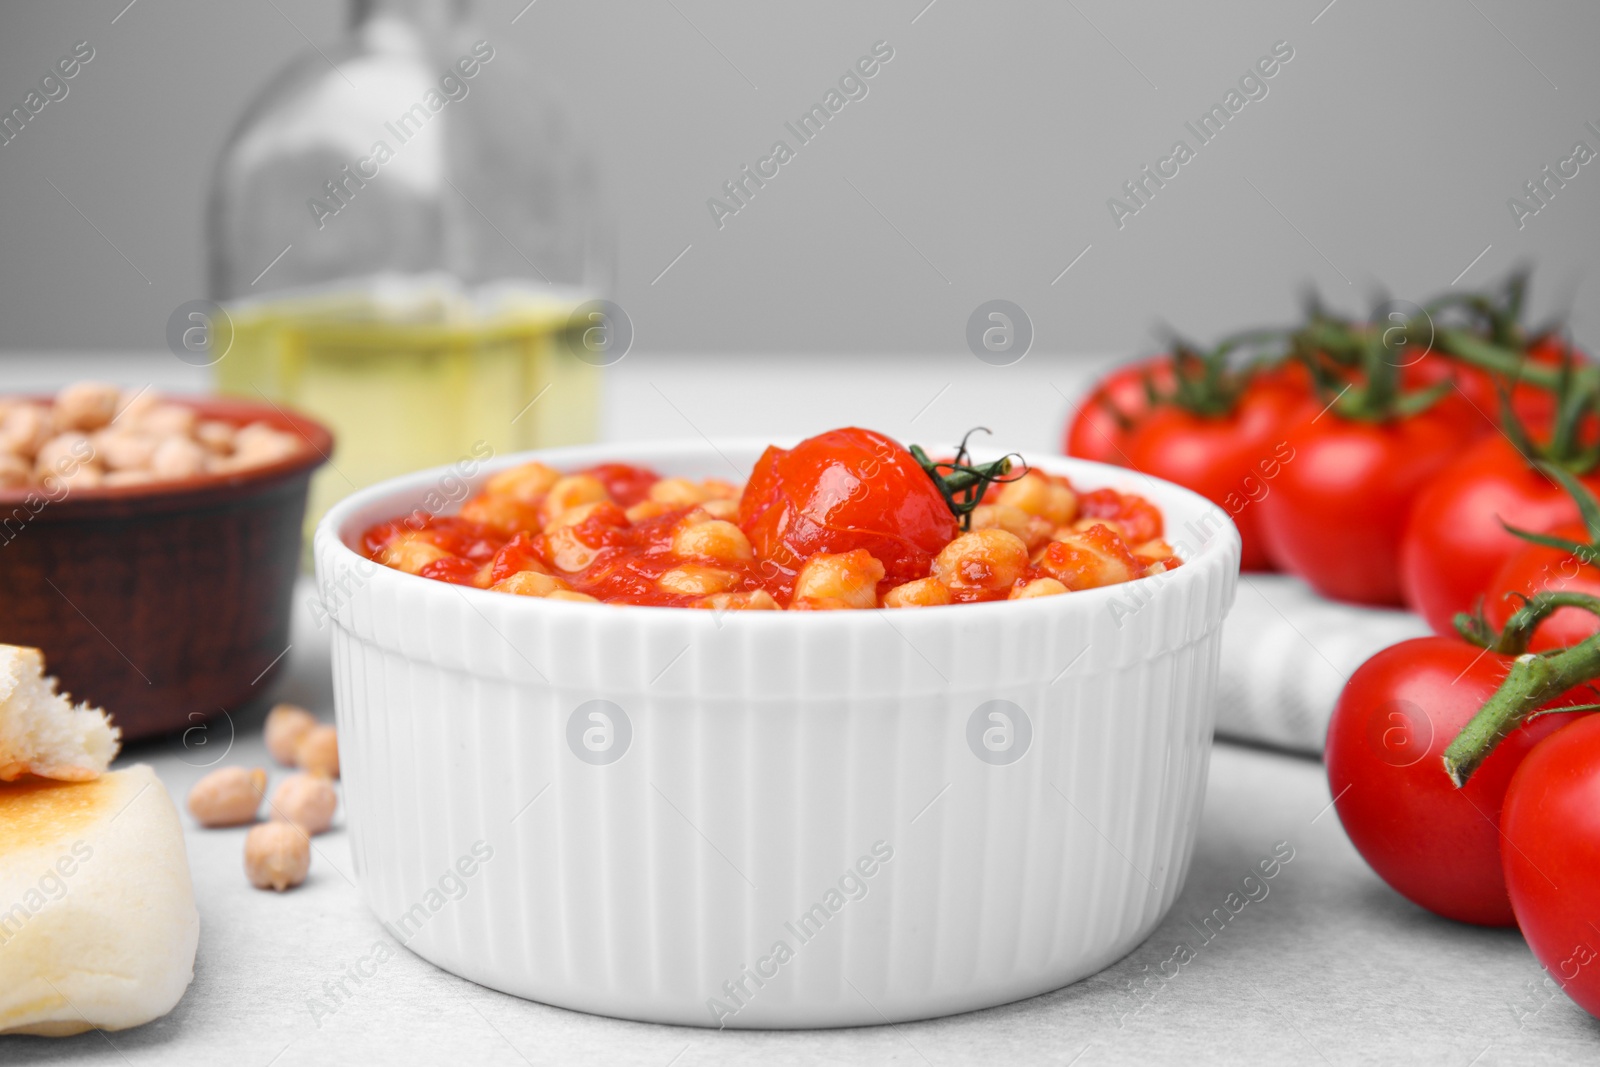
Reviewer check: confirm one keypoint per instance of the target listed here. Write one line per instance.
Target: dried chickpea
(259, 444)
(570, 491)
(506, 514)
(1037, 588)
(697, 581)
(25, 430)
(86, 406)
(15, 472)
(116, 478)
(286, 725)
(318, 751)
(277, 856)
(228, 796)
(168, 420)
(530, 583)
(990, 560)
(677, 492)
(177, 457)
(216, 435)
(528, 482)
(135, 404)
(307, 801)
(81, 477)
(410, 553)
(63, 453)
(849, 577)
(122, 450)
(922, 593)
(571, 594)
(755, 600)
(716, 539)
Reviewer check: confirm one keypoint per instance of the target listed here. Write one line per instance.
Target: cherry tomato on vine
(843, 490)
(1436, 845)
(1534, 569)
(1551, 821)
(1454, 542)
(1099, 429)
(1335, 513)
(1231, 459)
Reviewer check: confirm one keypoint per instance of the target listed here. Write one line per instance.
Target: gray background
(981, 160)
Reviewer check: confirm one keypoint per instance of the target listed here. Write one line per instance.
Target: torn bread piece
(42, 732)
(98, 926)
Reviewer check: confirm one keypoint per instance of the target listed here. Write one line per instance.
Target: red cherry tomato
(1534, 569)
(1453, 542)
(1534, 407)
(1335, 513)
(1095, 430)
(1551, 822)
(840, 491)
(1436, 845)
(1230, 460)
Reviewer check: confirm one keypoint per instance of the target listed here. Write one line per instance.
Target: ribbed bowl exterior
(797, 821)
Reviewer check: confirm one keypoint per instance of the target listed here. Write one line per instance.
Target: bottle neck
(425, 14)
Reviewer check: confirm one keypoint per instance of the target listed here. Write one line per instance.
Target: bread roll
(41, 732)
(98, 926)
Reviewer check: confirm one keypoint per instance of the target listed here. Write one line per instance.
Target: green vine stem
(962, 483)
(1534, 680)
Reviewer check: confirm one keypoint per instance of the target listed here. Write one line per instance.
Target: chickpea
(116, 478)
(64, 453)
(411, 553)
(721, 489)
(849, 577)
(134, 404)
(15, 472)
(1157, 549)
(82, 477)
(506, 514)
(721, 509)
(277, 856)
(530, 583)
(217, 436)
(286, 725)
(755, 600)
(922, 593)
(527, 483)
(1033, 530)
(717, 540)
(259, 444)
(573, 516)
(1085, 524)
(990, 560)
(168, 420)
(307, 801)
(25, 431)
(318, 751)
(177, 457)
(570, 491)
(647, 509)
(697, 581)
(122, 450)
(677, 492)
(228, 796)
(574, 595)
(1038, 495)
(1037, 588)
(1089, 559)
(569, 552)
(86, 406)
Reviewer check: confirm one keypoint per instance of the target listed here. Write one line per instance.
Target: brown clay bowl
(168, 603)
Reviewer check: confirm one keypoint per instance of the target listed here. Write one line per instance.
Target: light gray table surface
(1330, 967)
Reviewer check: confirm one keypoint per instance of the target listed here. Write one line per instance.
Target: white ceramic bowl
(627, 810)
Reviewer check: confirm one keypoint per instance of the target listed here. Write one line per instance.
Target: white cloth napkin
(1286, 654)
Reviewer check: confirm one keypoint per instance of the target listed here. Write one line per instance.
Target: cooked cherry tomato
(1454, 543)
(843, 490)
(1335, 513)
(1551, 823)
(1436, 845)
(1231, 460)
(1534, 569)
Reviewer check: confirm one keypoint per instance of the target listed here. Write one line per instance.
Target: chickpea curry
(846, 519)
